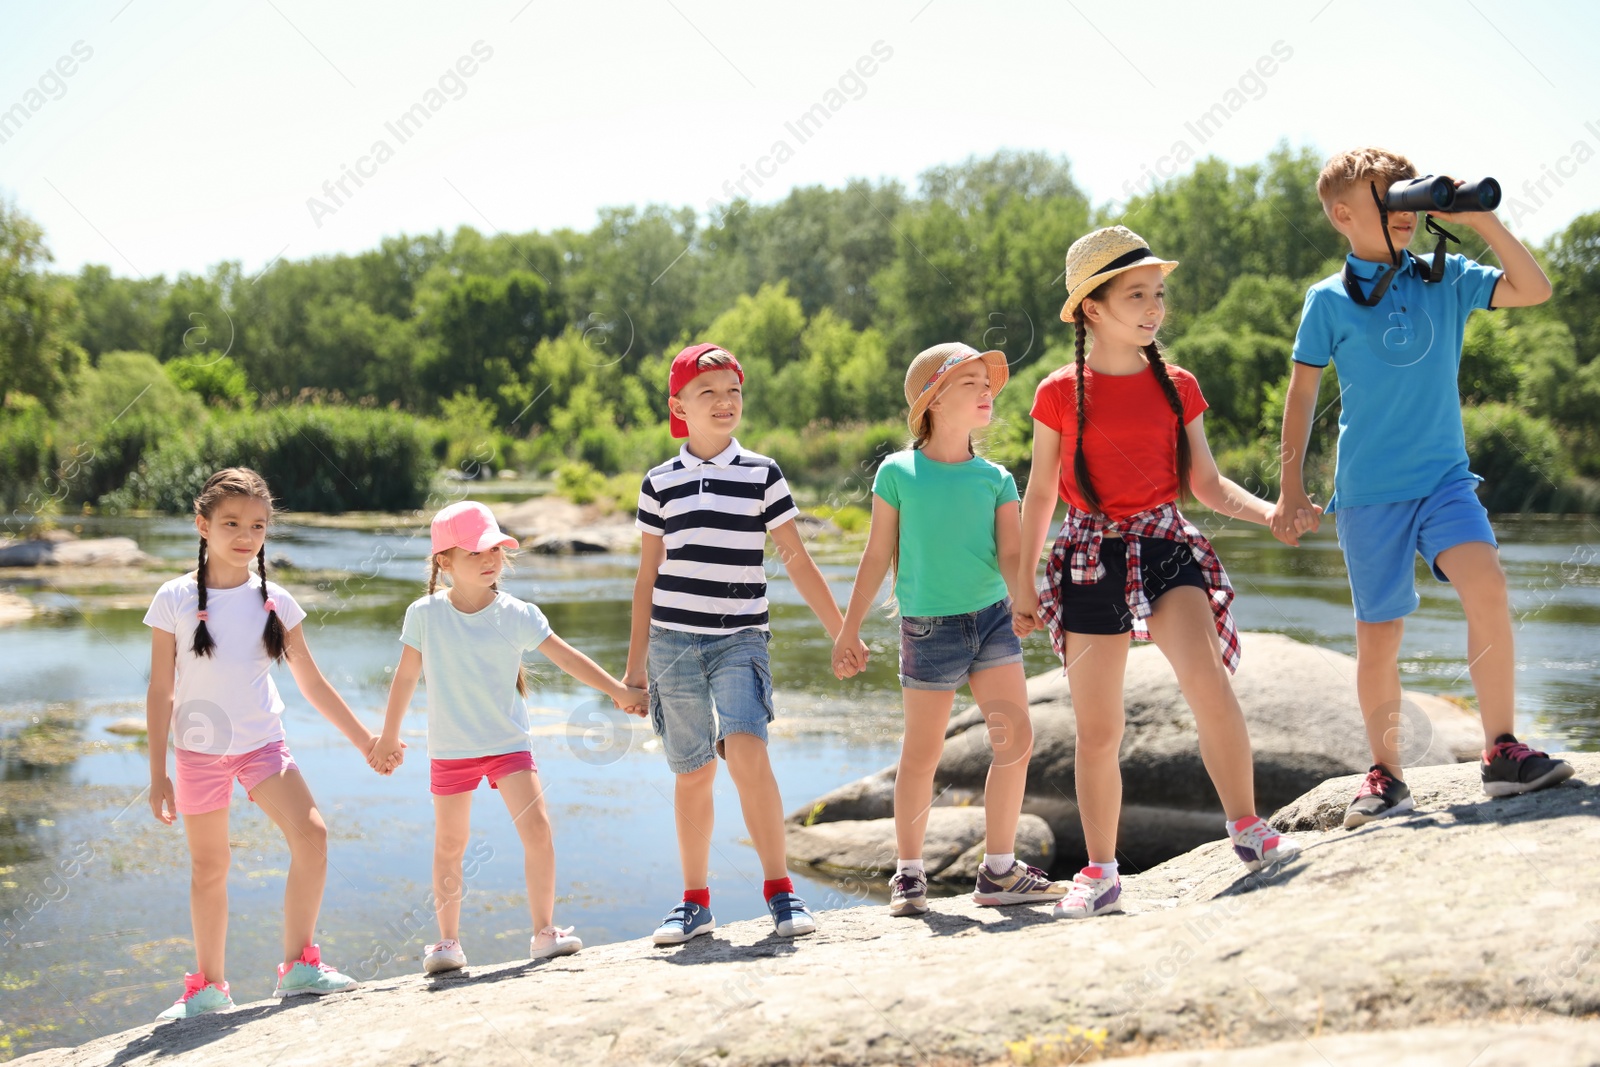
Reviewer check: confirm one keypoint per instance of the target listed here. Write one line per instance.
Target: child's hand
(1305, 522)
(632, 700)
(1025, 614)
(1293, 515)
(849, 655)
(162, 802)
(385, 754)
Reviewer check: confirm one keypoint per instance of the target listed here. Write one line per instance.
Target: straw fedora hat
(1096, 257)
(933, 364)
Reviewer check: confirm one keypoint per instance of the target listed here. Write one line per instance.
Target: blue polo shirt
(1400, 435)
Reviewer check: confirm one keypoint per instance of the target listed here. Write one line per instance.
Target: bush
(27, 456)
(582, 484)
(1519, 456)
(216, 380)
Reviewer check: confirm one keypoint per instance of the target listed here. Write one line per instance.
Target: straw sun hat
(933, 364)
(1096, 257)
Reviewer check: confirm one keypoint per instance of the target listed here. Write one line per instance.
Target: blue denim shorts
(1381, 543)
(940, 651)
(704, 687)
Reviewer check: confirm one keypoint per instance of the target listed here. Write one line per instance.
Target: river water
(94, 892)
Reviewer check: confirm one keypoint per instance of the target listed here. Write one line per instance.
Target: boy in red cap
(700, 615)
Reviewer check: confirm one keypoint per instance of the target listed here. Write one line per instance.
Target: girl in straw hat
(1127, 562)
(946, 521)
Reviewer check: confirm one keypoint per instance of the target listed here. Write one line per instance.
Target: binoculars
(1440, 193)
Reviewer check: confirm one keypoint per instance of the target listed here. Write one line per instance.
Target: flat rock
(14, 608)
(951, 850)
(586, 540)
(95, 552)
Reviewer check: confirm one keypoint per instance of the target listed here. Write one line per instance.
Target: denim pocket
(916, 628)
(658, 721)
(764, 686)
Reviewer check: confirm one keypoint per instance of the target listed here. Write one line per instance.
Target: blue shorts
(940, 651)
(704, 687)
(1381, 541)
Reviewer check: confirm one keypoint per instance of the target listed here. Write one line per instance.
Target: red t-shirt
(1130, 436)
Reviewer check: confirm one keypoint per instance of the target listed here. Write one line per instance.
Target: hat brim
(999, 374)
(486, 541)
(1095, 281)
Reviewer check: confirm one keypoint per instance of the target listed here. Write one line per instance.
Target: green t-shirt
(948, 561)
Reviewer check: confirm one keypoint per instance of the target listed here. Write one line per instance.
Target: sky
(161, 137)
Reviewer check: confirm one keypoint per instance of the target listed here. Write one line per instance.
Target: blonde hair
(435, 570)
(1349, 169)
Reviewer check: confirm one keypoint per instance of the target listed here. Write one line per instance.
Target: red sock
(701, 897)
(773, 886)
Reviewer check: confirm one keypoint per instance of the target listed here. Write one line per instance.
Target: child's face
(1132, 311)
(712, 403)
(1355, 215)
(964, 402)
(473, 570)
(235, 530)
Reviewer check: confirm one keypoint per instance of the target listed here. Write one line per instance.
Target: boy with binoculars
(1392, 324)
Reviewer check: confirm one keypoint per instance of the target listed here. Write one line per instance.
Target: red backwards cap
(685, 368)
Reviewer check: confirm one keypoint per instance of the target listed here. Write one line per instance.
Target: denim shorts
(704, 687)
(940, 651)
(1381, 543)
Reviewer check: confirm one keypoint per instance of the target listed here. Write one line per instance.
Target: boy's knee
(1377, 638)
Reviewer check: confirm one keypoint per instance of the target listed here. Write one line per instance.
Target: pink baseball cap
(468, 524)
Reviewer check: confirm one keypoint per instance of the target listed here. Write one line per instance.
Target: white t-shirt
(470, 665)
(224, 704)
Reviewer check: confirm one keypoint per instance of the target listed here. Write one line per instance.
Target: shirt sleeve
(538, 627)
(163, 613)
(886, 483)
(1006, 491)
(778, 506)
(1313, 341)
(1474, 281)
(289, 610)
(1047, 403)
(649, 518)
(1194, 401)
(412, 630)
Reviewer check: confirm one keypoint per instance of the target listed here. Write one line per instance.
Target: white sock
(1107, 870)
(914, 866)
(1000, 862)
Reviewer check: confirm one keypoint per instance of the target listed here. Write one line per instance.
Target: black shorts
(1102, 608)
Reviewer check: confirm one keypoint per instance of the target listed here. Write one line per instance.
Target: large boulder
(1305, 727)
(71, 552)
(951, 850)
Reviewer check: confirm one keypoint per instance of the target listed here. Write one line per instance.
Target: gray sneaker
(1380, 796)
(1511, 767)
(908, 893)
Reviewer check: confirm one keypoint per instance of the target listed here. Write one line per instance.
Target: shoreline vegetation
(351, 381)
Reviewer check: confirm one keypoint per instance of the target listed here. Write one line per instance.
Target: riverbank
(1366, 931)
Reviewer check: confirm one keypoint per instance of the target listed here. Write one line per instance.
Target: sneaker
(908, 893)
(683, 922)
(1259, 845)
(199, 998)
(445, 956)
(309, 975)
(1089, 895)
(1511, 767)
(554, 941)
(1380, 796)
(790, 916)
(1023, 884)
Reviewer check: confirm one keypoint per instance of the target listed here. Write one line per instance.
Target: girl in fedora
(1120, 433)
(945, 520)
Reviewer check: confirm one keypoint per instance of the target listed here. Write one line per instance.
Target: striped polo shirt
(712, 516)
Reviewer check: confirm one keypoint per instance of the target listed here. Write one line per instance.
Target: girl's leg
(209, 859)
(287, 801)
(452, 825)
(694, 810)
(1002, 695)
(524, 797)
(1095, 666)
(1185, 631)
(927, 715)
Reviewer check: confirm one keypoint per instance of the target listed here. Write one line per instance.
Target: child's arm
(1294, 513)
(389, 752)
(808, 579)
(315, 688)
(1008, 544)
(882, 538)
(1038, 505)
(158, 721)
(651, 552)
(582, 668)
(1224, 495)
(1524, 283)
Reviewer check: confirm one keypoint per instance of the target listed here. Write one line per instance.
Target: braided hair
(434, 571)
(236, 482)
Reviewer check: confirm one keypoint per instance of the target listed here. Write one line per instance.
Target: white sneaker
(445, 956)
(1089, 895)
(1259, 845)
(554, 941)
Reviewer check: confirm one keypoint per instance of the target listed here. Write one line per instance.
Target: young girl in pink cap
(468, 639)
(215, 635)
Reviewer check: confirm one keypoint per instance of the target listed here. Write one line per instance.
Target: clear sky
(160, 136)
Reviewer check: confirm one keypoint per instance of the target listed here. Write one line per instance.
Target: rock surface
(14, 608)
(1470, 927)
(1305, 726)
(55, 552)
(951, 850)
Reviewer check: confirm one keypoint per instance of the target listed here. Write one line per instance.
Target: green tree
(37, 316)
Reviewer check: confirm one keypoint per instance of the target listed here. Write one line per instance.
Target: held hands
(1294, 516)
(849, 655)
(1025, 613)
(385, 754)
(162, 802)
(633, 699)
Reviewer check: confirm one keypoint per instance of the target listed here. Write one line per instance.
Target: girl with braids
(215, 635)
(945, 521)
(468, 639)
(1126, 560)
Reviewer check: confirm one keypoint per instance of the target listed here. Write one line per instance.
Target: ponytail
(203, 644)
(1158, 367)
(273, 636)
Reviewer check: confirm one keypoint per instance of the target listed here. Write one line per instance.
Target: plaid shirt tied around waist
(1077, 554)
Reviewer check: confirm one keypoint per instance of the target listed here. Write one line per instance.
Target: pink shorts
(451, 776)
(205, 782)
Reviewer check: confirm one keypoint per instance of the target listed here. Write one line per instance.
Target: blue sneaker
(790, 916)
(199, 998)
(308, 975)
(683, 922)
